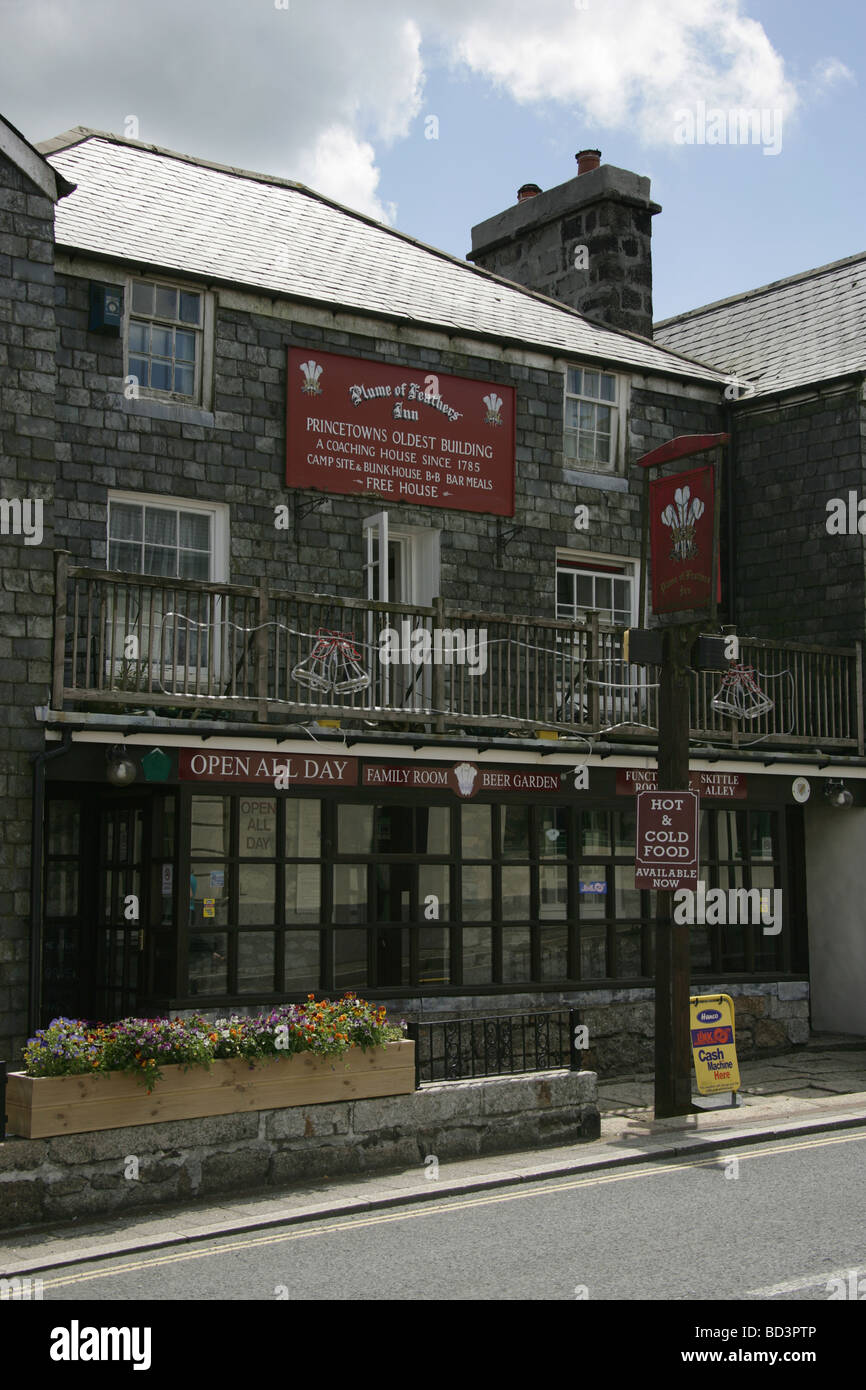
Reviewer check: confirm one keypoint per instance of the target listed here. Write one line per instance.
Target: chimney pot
(587, 160)
(527, 190)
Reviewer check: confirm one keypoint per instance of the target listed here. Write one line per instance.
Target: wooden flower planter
(39, 1106)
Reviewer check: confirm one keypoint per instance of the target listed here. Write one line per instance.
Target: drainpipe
(729, 479)
(37, 914)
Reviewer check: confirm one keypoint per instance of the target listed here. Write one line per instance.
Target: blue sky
(338, 93)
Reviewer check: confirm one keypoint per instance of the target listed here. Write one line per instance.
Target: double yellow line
(425, 1209)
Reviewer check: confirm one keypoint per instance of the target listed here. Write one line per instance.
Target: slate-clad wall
(27, 468)
(237, 456)
(794, 580)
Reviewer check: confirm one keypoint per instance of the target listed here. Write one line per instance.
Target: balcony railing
(125, 641)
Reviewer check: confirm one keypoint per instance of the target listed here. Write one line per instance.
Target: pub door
(123, 853)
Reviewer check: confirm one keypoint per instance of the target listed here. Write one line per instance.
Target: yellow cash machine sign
(713, 1045)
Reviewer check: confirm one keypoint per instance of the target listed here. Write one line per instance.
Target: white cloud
(316, 90)
(344, 168)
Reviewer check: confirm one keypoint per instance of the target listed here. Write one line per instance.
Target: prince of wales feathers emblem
(311, 371)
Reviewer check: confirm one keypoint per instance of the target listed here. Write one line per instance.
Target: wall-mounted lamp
(120, 770)
(838, 795)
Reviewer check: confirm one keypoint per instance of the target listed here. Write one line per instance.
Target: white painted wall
(836, 902)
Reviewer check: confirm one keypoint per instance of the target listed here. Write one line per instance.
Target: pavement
(817, 1088)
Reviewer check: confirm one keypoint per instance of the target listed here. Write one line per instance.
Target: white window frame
(420, 550)
(618, 406)
(218, 512)
(203, 395)
(613, 670)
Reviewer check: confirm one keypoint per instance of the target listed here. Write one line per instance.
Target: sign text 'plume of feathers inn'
(361, 427)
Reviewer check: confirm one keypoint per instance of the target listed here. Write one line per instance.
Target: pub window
(592, 410)
(164, 339)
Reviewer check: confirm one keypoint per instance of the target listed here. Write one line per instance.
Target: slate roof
(808, 328)
(164, 210)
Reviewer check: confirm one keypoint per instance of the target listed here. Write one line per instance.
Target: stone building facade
(173, 877)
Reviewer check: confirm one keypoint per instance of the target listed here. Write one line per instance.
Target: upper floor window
(591, 418)
(165, 338)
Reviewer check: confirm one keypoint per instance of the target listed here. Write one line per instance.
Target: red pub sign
(666, 856)
(681, 535)
(361, 427)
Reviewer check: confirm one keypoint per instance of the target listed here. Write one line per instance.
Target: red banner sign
(681, 535)
(666, 855)
(464, 779)
(722, 785)
(399, 434)
(222, 765)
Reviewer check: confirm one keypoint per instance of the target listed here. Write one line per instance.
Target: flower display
(143, 1046)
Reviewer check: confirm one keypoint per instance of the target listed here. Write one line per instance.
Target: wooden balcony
(133, 643)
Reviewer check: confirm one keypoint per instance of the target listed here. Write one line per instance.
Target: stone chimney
(586, 242)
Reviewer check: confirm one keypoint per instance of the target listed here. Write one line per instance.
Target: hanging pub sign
(681, 537)
(360, 427)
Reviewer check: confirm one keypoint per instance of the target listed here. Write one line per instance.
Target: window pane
(607, 388)
(257, 889)
(124, 521)
(209, 895)
(124, 557)
(166, 302)
(63, 827)
(515, 893)
(303, 893)
(142, 297)
(354, 829)
(303, 828)
(255, 962)
(477, 893)
(552, 831)
(584, 591)
(350, 893)
(209, 825)
(590, 383)
(434, 880)
(184, 346)
(554, 953)
(624, 825)
(258, 827)
(138, 335)
(514, 823)
(476, 832)
(627, 897)
(628, 950)
(139, 367)
(160, 561)
(160, 376)
(160, 341)
(61, 890)
(194, 530)
(574, 381)
(192, 564)
(160, 525)
(593, 952)
(516, 954)
(302, 962)
(190, 307)
(350, 959)
(594, 835)
(433, 830)
(572, 414)
(208, 963)
(433, 956)
(477, 945)
(184, 381)
(592, 892)
(553, 891)
(761, 834)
